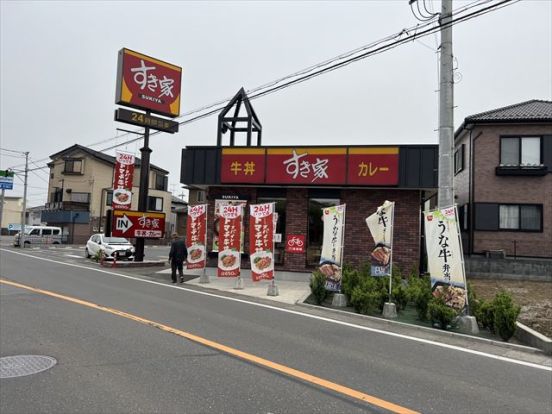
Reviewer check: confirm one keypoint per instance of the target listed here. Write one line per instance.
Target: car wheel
(86, 253)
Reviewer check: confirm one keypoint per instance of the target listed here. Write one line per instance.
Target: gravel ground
(535, 299)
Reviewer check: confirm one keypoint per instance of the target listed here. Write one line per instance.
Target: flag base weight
(468, 324)
(239, 283)
(339, 300)
(272, 289)
(389, 310)
(204, 278)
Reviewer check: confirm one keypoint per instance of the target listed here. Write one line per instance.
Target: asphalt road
(109, 363)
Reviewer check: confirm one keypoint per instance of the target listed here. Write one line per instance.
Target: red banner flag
(122, 181)
(230, 224)
(261, 241)
(196, 236)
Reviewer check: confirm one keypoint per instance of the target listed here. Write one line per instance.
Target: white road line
(73, 255)
(306, 315)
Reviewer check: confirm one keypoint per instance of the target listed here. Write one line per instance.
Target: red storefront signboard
(144, 224)
(122, 180)
(196, 236)
(261, 241)
(295, 243)
(312, 166)
(147, 83)
(230, 224)
(243, 165)
(373, 166)
(365, 166)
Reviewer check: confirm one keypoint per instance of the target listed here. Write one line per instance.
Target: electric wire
(328, 65)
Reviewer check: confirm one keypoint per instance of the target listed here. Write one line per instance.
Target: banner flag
(216, 221)
(331, 257)
(230, 229)
(444, 256)
(196, 237)
(122, 180)
(261, 241)
(381, 227)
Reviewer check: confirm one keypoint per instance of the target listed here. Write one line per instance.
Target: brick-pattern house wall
(489, 187)
(358, 241)
(462, 179)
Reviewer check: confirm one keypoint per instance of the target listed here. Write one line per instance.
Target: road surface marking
(306, 315)
(332, 386)
(73, 255)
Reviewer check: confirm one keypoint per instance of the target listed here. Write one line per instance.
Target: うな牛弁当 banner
(196, 237)
(331, 256)
(381, 227)
(444, 256)
(261, 241)
(230, 229)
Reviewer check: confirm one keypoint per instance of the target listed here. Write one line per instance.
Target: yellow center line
(332, 386)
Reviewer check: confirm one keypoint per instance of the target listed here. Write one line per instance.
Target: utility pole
(24, 212)
(143, 191)
(446, 104)
(1, 207)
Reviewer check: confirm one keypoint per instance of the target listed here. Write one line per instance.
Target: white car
(112, 247)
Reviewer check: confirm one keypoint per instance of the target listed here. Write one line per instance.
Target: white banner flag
(332, 246)
(381, 227)
(444, 255)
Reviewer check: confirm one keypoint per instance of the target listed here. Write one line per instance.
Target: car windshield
(115, 240)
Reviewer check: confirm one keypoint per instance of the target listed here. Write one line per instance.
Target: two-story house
(503, 180)
(80, 191)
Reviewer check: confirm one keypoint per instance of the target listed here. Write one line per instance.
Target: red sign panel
(147, 83)
(243, 165)
(230, 224)
(122, 181)
(373, 166)
(196, 236)
(261, 241)
(312, 166)
(138, 224)
(295, 243)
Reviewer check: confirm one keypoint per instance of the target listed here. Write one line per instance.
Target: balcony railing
(534, 170)
(68, 206)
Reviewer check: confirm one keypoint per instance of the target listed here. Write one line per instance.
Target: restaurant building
(303, 180)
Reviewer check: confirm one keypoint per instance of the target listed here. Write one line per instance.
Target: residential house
(179, 213)
(503, 180)
(80, 191)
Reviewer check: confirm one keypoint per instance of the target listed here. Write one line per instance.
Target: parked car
(112, 247)
(38, 235)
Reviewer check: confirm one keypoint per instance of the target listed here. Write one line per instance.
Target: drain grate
(21, 365)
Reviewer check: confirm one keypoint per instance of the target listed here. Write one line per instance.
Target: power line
(402, 37)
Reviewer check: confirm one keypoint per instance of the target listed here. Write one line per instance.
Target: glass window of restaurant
(279, 198)
(316, 225)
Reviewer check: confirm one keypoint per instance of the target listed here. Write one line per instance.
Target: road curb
(438, 332)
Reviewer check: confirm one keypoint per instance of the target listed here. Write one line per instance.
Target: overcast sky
(59, 60)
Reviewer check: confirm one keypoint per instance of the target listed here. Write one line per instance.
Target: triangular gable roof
(100, 156)
(529, 111)
(533, 111)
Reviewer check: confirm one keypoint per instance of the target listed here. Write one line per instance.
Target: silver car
(111, 247)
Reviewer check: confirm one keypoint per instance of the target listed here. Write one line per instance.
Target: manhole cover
(21, 365)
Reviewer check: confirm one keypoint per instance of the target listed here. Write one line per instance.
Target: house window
(161, 182)
(522, 217)
(520, 151)
(155, 204)
(200, 196)
(73, 167)
(316, 228)
(459, 159)
(109, 198)
(80, 197)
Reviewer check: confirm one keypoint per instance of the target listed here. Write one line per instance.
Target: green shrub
(400, 295)
(98, 256)
(419, 292)
(318, 286)
(369, 296)
(440, 313)
(485, 315)
(505, 315)
(350, 279)
(473, 302)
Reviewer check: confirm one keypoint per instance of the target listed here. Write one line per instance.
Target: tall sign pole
(24, 212)
(446, 102)
(143, 193)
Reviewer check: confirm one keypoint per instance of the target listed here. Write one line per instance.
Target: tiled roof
(100, 155)
(529, 111)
